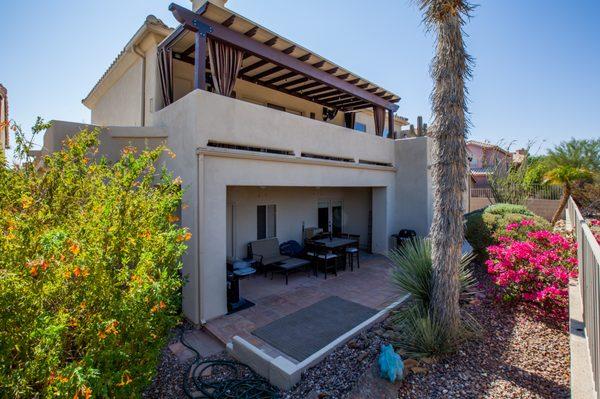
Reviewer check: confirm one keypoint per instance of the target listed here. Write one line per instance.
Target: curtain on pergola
(165, 68)
(349, 119)
(225, 64)
(379, 114)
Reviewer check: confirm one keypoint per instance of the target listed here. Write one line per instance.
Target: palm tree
(450, 69)
(568, 163)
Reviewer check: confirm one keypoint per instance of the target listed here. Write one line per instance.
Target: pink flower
(534, 269)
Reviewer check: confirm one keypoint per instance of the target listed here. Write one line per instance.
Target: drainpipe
(137, 51)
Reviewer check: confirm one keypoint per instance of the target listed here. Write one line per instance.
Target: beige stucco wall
(121, 104)
(413, 184)
(294, 206)
(112, 138)
(119, 98)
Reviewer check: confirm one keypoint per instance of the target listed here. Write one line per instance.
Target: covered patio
(369, 286)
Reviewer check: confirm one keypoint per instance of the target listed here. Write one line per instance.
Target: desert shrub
(535, 267)
(502, 209)
(419, 334)
(477, 232)
(412, 271)
(483, 228)
(89, 272)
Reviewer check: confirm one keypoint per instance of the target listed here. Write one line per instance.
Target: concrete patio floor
(370, 286)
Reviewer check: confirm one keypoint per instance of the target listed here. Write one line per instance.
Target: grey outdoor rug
(304, 332)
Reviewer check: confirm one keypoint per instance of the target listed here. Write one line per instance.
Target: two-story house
(270, 137)
(484, 158)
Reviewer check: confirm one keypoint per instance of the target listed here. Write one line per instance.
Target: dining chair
(352, 251)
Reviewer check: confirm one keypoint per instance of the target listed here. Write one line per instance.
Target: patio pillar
(200, 61)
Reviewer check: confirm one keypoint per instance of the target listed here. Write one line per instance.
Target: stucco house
(270, 138)
(483, 159)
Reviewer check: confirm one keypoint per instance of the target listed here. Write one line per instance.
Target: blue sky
(535, 77)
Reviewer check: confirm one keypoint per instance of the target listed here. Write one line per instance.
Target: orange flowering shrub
(89, 272)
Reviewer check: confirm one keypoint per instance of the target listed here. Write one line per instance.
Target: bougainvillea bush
(89, 272)
(535, 267)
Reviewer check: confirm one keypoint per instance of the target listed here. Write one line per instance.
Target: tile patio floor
(370, 286)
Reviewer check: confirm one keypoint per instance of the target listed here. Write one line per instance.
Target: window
(284, 109)
(361, 127)
(266, 225)
(277, 107)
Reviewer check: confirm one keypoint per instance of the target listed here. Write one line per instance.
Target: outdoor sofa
(268, 256)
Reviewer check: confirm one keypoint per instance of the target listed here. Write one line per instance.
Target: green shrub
(502, 209)
(484, 226)
(89, 272)
(477, 232)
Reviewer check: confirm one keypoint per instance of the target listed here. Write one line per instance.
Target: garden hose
(208, 384)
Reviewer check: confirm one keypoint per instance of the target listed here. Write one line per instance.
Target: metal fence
(535, 192)
(588, 256)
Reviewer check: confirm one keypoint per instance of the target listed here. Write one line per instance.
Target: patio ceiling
(275, 62)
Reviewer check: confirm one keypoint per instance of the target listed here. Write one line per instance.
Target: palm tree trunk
(450, 69)
(563, 203)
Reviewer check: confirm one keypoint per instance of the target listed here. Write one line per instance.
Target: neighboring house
(484, 158)
(4, 120)
(270, 138)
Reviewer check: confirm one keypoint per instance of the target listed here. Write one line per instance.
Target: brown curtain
(379, 114)
(165, 69)
(225, 64)
(349, 119)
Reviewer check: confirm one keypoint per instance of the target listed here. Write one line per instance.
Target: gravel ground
(170, 372)
(337, 374)
(518, 356)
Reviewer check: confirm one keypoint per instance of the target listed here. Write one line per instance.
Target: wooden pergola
(274, 63)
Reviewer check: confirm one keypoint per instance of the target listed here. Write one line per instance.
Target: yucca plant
(412, 271)
(419, 333)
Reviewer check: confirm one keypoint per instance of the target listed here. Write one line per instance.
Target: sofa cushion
(266, 248)
(274, 259)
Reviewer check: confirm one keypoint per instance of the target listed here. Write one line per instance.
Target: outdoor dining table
(336, 242)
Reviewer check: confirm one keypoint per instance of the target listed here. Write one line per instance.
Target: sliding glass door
(330, 216)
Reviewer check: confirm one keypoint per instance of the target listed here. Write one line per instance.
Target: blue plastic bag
(391, 366)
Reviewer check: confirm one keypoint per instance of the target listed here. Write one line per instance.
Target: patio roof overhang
(272, 61)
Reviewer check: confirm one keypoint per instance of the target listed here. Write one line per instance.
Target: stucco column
(213, 244)
(381, 214)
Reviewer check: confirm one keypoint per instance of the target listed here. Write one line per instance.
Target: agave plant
(413, 272)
